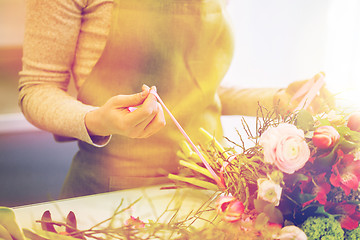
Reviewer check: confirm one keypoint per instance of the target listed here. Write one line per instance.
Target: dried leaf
(45, 224)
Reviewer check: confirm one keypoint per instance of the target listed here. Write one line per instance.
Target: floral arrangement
(300, 179)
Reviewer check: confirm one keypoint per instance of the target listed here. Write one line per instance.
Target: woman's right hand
(114, 117)
(323, 101)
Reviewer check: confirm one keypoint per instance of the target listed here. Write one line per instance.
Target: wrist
(93, 124)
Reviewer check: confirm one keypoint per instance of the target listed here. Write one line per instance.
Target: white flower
(291, 233)
(269, 191)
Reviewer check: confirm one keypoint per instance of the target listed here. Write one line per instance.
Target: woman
(111, 48)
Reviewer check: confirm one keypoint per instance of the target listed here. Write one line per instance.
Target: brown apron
(184, 48)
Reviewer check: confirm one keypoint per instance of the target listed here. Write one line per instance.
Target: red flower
(345, 172)
(350, 216)
(325, 137)
(318, 187)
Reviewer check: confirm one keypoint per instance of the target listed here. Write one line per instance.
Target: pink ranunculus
(269, 191)
(230, 209)
(325, 137)
(285, 147)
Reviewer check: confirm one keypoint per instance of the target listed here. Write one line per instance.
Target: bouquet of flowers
(300, 179)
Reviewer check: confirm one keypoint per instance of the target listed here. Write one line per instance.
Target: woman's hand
(114, 117)
(323, 102)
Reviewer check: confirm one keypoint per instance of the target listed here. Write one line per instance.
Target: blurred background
(32, 165)
(277, 42)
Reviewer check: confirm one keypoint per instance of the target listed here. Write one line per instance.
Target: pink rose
(285, 147)
(229, 208)
(325, 137)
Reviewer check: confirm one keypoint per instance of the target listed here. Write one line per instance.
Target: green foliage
(320, 228)
(272, 214)
(304, 120)
(8, 225)
(352, 234)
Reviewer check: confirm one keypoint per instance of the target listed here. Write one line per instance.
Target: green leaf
(292, 179)
(305, 197)
(321, 210)
(327, 161)
(4, 233)
(324, 122)
(261, 221)
(45, 235)
(349, 139)
(274, 214)
(304, 120)
(348, 145)
(260, 204)
(8, 221)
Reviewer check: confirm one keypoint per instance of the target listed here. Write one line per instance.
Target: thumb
(130, 100)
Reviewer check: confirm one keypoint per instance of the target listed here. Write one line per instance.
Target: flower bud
(277, 176)
(325, 137)
(354, 121)
(229, 208)
(134, 223)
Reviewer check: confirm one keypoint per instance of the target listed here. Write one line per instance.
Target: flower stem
(196, 168)
(195, 182)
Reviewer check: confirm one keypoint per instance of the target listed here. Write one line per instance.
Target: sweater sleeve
(51, 35)
(237, 101)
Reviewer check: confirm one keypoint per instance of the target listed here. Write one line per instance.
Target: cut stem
(196, 168)
(194, 181)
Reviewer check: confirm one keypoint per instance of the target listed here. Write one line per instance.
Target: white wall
(12, 17)
(280, 41)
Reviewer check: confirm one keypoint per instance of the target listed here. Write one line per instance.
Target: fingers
(151, 126)
(124, 101)
(293, 95)
(303, 86)
(148, 109)
(148, 118)
(324, 102)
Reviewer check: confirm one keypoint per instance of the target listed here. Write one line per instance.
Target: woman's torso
(183, 47)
